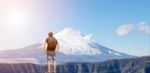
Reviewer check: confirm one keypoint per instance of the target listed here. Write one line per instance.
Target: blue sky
(102, 18)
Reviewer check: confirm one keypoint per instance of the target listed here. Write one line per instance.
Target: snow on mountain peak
(72, 42)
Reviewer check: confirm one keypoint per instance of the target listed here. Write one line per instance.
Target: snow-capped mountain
(73, 43)
(74, 47)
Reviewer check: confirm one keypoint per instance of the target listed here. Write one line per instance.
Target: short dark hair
(50, 34)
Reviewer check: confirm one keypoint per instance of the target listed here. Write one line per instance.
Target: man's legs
(54, 67)
(49, 66)
(53, 62)
(49, 61)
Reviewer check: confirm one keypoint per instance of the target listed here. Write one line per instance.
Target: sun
(16, 18)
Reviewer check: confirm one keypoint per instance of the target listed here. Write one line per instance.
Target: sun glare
(16, 19)
(16, 16)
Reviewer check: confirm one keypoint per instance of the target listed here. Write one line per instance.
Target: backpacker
(51, 44)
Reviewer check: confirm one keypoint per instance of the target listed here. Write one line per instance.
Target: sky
(123, 25)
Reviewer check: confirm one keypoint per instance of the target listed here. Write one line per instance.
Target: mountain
(20, 68)
(132, 65)
(74, 47)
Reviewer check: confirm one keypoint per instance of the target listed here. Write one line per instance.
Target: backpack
(51, 44)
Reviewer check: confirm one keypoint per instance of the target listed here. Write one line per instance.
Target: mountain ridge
(74, 47)
(132, 65)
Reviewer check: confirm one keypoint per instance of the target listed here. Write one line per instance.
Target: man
(51, 48)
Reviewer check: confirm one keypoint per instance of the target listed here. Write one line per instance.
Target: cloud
(74, 42)
(127, 28)
(76, 34)
(124, 29)
(144, 27)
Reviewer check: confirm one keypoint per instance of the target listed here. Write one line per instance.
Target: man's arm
(45, 47)
(57, 48)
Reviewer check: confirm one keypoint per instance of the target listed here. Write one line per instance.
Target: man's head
(50, 34)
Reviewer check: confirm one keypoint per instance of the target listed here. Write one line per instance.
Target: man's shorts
(51, 56)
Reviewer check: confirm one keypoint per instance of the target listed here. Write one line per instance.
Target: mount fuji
(74, 47)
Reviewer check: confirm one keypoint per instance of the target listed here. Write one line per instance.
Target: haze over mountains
(74, 47)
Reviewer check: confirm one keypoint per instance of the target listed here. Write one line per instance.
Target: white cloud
(127, 28)
(144, 27)
(124, 29)
(75, 43)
